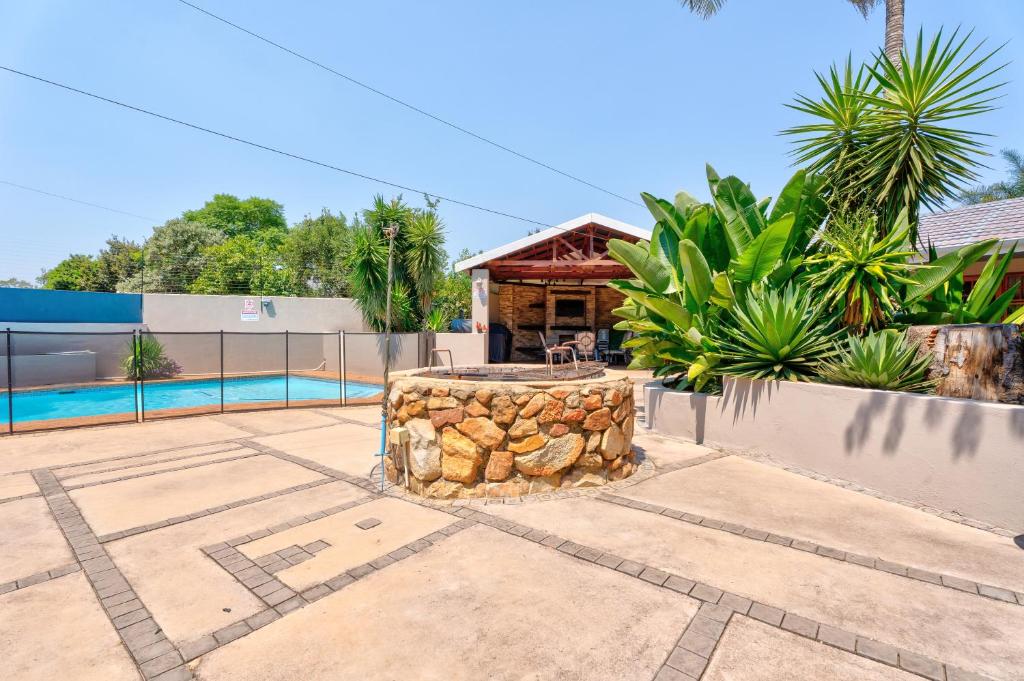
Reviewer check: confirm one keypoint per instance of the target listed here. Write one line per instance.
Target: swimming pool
(74, 402)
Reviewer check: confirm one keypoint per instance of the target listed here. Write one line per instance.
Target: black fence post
(286, 368)
(222, 371)
(343, 368)
(10, 386)
(341, 384)
(135, 374)
(140, 370)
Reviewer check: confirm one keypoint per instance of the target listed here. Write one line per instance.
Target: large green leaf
(987, 284)
(658, 304)
(648, 268)
(737, 207)
(696, 271)
(940, 271)
(663, 212)
(760, 257)
(668, 243)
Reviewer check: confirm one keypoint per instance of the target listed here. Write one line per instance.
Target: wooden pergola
(578, 254)
(551, 284)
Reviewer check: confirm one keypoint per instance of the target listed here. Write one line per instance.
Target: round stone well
(475, 438)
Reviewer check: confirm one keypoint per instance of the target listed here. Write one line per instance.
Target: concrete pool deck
(254, 546)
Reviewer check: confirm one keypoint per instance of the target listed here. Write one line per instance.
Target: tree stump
(976, 361)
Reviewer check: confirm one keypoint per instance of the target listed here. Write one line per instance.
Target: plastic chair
(551, 350)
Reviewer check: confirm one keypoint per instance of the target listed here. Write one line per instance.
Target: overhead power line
(68, 198)
(273, 150)
(405, 104)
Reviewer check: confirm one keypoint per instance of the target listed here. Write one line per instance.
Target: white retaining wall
(954, 454)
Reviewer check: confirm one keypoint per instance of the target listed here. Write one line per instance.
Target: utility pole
(391, 231)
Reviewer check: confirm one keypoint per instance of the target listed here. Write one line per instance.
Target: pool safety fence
(57, 379)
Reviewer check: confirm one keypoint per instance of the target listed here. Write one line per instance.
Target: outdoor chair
(615, 349)
(583, 345)
(551, 350)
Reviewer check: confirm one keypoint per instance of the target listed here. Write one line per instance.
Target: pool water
(64, 403)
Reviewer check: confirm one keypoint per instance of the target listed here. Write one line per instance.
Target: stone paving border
(121, 534)
(283, 600)
(309, 464)
(39, 577)
(856, 487)
(156, 657)
(289, 556)
(787, 621)
(898, 569)
(74, 474)
(30, 495)
(693, 650)
(145, 474)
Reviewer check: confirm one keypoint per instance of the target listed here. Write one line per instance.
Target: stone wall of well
(472, 439)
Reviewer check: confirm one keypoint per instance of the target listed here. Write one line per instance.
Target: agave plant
(699, 257)
(860, 271)
(780, 335)
(882, 360)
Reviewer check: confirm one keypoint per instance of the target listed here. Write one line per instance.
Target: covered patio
(550, 285)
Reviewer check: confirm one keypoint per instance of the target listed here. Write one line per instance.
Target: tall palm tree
(1010, 188)
(418, 264)
(893, 19)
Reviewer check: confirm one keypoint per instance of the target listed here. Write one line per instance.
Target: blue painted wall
(78, 307)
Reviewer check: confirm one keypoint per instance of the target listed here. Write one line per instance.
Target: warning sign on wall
(250, 310)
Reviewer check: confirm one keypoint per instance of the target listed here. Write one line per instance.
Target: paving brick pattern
(121, 534)
(39, 577)
(132, 476)
(362, 483)
(281, 600)
(684, 663)
(290, 555)
(30, 495)
(156, 657)
(65, 473)
(949, 581)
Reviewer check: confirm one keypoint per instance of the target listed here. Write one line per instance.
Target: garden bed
(953, 454)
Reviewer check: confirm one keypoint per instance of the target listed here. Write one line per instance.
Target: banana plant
(700, 257)
(946, 302)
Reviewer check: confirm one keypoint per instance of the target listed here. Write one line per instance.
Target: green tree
(14, 282)
(453, 294)
(1010, 188)
(894, 14)
(174, 257)
(314, 254)
(418, 263)
(232, 216)
(77, 272)
(118, 262)
(241, 265)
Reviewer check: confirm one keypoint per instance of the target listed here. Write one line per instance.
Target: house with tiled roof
(1002, 220)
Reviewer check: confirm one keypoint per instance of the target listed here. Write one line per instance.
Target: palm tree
(1011, 188)
(893, 19)
(418, 264)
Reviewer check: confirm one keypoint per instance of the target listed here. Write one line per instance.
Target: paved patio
(253, 546)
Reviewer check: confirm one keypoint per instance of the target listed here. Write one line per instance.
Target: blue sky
(632, 96)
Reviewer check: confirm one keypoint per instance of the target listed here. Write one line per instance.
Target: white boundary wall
(953, 454)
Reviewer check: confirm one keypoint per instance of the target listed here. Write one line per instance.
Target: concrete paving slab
(57, 630)
(757, 495)
(30, 540)
(131, 503)
(480, 605)
(400, 523)
(188, 592)
(56, 448)
(16, 485)
(275, 421)
(947, 625)
(92, 478)
(369, 414)
(65, 472)
(345, 447)
(665, 452)
(752, 651)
